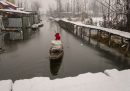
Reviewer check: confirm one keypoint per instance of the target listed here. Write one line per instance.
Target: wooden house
(17, 23)
(12, 5)
(1, 34)
(7, 5)
(3, 5)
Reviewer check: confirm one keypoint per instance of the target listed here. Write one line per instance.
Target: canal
(30, 58)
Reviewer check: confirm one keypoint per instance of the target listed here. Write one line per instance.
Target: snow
(6, 85)
(122, 77)
(35, 26)
(14, 11)
(113, 31)
(11, 4)
(4, 3)
(112, 80)
(56, 42)
(34, 84)
(40, 24)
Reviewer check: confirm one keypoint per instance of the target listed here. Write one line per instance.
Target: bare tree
(128, 14)
(35, 6)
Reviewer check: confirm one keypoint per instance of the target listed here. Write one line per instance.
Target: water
(30, 58)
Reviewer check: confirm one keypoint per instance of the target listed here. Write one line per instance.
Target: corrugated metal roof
(14, 11)
(11, 4)
(4, 3)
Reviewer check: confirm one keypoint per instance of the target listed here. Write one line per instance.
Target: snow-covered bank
(112, 31)
(114, 81)
(122, 77)
(6, 85)
(110, 80)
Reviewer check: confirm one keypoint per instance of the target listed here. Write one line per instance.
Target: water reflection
(55, 66)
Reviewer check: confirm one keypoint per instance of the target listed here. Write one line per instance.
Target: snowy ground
(110, 80)
(6, 85)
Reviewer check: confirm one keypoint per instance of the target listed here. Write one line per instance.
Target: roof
(14, 11)
(4, 3)
(11, 4)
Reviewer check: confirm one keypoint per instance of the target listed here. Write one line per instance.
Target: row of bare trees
(77, 7)
(28, 5)
(116, 14)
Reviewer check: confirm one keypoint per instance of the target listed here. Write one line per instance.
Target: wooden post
(109, 37)
(122, 42)
(89, 35)
(98, 37)
(23, 29)
(73, 28)
(127, 48)
(81, 32)
(76, 30)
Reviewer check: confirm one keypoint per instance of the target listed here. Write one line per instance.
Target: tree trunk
(128, 16)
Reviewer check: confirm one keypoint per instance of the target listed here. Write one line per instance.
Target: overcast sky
(44, 3)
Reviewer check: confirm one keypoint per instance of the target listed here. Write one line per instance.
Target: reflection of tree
(55, 66)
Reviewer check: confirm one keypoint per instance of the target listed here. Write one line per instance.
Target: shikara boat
(56, 50)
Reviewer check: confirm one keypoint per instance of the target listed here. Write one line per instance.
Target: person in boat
(57, 36)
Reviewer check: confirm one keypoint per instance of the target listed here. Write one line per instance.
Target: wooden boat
(35, 26)
(40, 24)
(56, 50)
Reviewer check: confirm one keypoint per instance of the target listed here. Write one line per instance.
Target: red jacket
(57, 36)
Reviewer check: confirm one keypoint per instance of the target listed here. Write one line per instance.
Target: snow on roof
(4, 3)
(113, 31)
(6, 85)
(14, 11)
(116, 81)
(11, 4)
(56, 42)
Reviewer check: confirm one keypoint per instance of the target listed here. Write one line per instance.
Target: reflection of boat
(2, 50)
(56, 50)
(55, 66)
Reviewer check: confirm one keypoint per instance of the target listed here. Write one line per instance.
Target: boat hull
(54, 56)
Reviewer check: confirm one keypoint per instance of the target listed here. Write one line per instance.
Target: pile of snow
(114, 81)
(122, 77)
(35, 26)
(6, 85)
(34, 84)
(110, 80)
(56, 42)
